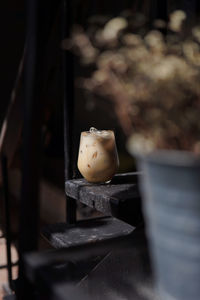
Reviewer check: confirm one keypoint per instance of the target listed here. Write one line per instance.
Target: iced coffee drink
(98, 158)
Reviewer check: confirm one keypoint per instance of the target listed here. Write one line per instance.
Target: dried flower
(152, 79)
(196, 33)
(112, 28)
(154, 40)
(176, 20)
(131, 39)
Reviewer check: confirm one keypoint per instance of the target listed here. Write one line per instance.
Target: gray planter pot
(171, 204)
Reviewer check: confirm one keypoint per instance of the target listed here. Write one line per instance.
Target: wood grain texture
(120, 198)
(123, 274)
(62, 235)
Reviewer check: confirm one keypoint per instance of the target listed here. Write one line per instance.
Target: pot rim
(170, 157)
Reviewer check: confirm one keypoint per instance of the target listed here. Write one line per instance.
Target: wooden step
(62, 235)
(120, 198)
(124, 273)
(79, 238)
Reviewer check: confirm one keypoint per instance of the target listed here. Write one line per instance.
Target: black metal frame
(39, 265)
(68, 99)
(39, 19)
(7, 218)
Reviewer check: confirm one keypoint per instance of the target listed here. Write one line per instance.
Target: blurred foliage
(152, 77)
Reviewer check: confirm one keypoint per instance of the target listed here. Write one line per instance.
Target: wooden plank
(121, 275)
(62, 235)
(129, 277)
(120, 198)
(36, 260)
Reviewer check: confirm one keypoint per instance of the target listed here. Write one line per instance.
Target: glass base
(107, 182)
(99, 183)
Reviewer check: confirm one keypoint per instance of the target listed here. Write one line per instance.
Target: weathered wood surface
(123, 274)
(120, 198)
(129, 277)
(62, 235)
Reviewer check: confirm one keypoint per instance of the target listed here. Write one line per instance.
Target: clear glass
(98, 158)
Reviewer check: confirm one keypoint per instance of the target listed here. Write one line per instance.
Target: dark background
(89, 111)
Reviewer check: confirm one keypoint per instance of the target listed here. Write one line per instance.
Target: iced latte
(98, 158)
